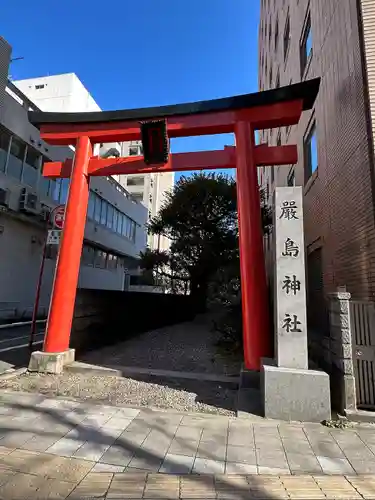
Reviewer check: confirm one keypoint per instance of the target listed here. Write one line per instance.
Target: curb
(12, 373)
(125, 371)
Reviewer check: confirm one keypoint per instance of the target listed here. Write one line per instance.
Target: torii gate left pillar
(243, 122)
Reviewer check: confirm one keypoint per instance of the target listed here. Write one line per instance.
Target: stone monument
(290, 390)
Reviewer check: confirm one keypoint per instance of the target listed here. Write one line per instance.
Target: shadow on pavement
(60, 420)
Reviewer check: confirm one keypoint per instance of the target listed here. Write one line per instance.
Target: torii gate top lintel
(277, 107)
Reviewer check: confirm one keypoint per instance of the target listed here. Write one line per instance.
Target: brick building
(333, 39)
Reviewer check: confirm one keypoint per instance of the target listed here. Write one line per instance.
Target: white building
(115, 229)
(66, 93)
(149, 189)
(60, 93)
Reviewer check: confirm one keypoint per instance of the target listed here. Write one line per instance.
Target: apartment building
(149, 189)
(115, 229)
(66, 93)
(334, 40)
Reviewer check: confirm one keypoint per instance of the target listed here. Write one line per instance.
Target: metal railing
(20, 97)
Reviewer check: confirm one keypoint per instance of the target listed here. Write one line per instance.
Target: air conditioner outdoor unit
(4, 197)
(29, 202)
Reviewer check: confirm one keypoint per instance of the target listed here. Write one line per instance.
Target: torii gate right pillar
(255, 309)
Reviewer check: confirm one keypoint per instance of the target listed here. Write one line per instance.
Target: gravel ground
(179, 395)
(189, 347)
(185, 347)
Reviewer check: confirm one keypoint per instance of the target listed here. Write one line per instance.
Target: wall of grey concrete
(105, 317)
(21, 247)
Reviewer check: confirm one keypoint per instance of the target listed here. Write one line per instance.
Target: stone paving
(54, 448)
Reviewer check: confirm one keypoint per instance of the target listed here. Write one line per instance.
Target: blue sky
(140, 53)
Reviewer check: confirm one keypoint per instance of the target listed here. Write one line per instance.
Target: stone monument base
(50, 362)
(292, 394)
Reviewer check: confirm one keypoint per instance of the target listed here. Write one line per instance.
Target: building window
(31, 167)
(277, 84)
(270, 35)
(55, 190)
(138, 197)
(100, 259)
(286, 37)
(271, 77)
(125, 225)
(103, 213)
(4, 148)
(64, 191)
(306, 45)
(110, 216)
(136, 181)
(115, 219)
(88, 255)
(311, 152)
(44, 183)
(291, 181)
(39, 87)
(16, 157)
(104, 259)
(110, 261)
(107, 215)
(91, 205)
(277, 35)
(98, 207)
(120, 223)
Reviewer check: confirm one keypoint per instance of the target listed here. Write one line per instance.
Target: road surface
(14, 345)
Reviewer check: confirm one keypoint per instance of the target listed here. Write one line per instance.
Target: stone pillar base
(292, 394)
(50, 362)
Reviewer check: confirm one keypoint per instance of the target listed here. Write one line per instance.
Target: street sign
(58, 217)
(53, 237)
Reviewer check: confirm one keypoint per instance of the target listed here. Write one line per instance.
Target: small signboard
(53, 237)
(58, 217)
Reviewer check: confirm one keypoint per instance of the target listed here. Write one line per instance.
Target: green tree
(200, 218)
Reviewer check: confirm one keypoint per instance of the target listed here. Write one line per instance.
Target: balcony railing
(20, 97)
(121, 189)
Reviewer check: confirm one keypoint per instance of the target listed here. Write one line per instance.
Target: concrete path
(54, 448)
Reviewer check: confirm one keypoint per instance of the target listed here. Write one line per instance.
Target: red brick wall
(339, 209)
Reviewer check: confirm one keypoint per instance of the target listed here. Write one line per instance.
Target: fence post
(341, 348)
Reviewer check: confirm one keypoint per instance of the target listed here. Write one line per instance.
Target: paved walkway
(53, 448)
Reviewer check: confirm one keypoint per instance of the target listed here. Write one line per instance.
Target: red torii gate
(241, 115)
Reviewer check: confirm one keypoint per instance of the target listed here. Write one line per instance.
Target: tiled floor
(60, 448)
